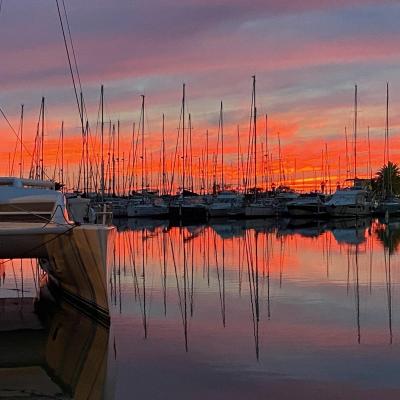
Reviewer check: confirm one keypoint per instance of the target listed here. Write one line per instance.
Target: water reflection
(217, 258)
(54, 352)
(292, 309)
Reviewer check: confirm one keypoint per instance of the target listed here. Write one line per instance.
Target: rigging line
(57, 154)
(176, 150)
(15, 149)
(16, 134)
(75, 60)
(69, 63)
(72, 45)
(14, 131)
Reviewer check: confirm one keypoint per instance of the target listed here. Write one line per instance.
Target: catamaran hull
(75, 257)
(77, 264)
(27, 240)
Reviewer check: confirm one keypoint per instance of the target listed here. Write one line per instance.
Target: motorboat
(227, 204)
(284, 195)
(349, 202)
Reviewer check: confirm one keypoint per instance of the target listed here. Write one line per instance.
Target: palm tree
(387, 181)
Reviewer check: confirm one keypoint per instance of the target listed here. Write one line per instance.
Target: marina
(237, 304)
(199, 200)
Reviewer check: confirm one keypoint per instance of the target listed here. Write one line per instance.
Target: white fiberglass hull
(147, 210)
(75, 257)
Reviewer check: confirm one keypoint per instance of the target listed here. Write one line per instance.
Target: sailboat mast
(21, 141)
(355, 130)
(62, 155)
(255, 133)
(280, 159)
(183, 139)
(142, 143)
(191, 154)
(118, 171)
(369, 156)
(387, 123)
(238, 158)
(266, 153)
(163, 154)
(113, 160)
(102, 144)
(83, 160)
(42, 161)
(222, 146)
(347, 154)
(87, 157)
(207, 163)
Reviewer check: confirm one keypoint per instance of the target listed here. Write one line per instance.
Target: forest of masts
(108, 168)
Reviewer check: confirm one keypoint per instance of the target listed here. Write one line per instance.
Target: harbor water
(228, 310)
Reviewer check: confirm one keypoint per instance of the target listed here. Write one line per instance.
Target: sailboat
(389, 204)
(355, 200)
(259, 206)
(227, 204)
(144, 203)
(187, 206)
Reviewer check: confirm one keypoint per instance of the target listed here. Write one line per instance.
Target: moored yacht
(307, 205)
(188, 206)
(389, 206)
(262, 207)
(34, 223)
(349, 202)
(145, 206)
(227, 204)
(283, 195)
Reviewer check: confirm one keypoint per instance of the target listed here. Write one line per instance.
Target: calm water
(231, 310)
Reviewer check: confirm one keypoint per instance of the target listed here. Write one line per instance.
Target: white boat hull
(144, 210)
(75, 257)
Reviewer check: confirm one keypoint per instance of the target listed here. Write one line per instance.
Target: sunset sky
(307, 56)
